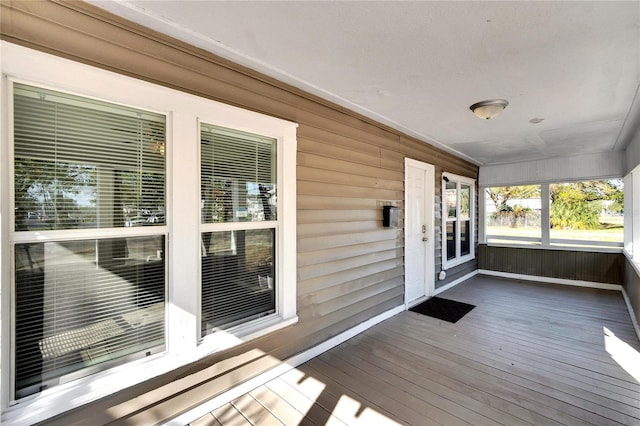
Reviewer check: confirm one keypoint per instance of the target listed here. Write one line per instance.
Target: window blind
(238, 185)
(82, 305)
(238, 277)
(238, 176)
(84, 163)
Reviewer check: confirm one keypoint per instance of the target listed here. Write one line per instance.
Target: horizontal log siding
(564, 264)
(350, 268)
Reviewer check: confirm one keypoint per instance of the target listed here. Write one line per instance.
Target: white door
(419, 190)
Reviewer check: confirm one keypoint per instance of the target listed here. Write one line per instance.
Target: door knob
(425, 239)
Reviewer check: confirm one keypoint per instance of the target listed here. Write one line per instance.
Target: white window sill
(226, 339)
(454, 263)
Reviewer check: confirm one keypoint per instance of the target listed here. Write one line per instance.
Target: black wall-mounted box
(390, 216)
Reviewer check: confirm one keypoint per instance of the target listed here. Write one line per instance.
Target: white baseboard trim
(455, 282)
(578, 283)
(634, 320)
(287, 365)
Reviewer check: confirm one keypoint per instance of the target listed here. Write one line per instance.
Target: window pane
(83, 163)
(587, 213)
(451, 240)
(451, 198)
(465, 237)
(513, 213)
(238, 176)
(465, 193)
(238, 277)
(83, 304)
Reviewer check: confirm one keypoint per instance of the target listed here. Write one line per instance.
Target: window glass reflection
(451, 199)
(84, 163)
(451, 240)
(87, 303)
(238, 277)
(465, 238)
(238, 176)
(465, 193)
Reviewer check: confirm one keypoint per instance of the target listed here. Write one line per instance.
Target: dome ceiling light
(489, 108)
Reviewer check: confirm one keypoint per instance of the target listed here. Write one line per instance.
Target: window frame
(545, 241)
(526, 241)
(632, 217)
(458, 258)
(61, 235)
(283, 313)
(182, 213)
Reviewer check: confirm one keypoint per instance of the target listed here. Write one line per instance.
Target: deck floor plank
(399, 401)
(228, 415)
(255, 412)
(518, 372)
(206, 420)
(528, 354)
(311, 412)
(428, 391)
(279, 407)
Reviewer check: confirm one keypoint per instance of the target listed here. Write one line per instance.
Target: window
(458, 199)
(82, 301)
(89, 305)
(585, 214)
(239, 212)
(512, 214)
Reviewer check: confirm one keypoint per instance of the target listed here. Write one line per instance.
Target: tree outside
(515, 206)
(587, 211)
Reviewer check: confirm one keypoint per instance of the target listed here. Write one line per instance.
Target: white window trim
(183, 222)
(285, 305)
(632, 216)
(458, 260)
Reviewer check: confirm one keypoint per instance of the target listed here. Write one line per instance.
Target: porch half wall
(596, 267)
(632, 287)
(349, 267)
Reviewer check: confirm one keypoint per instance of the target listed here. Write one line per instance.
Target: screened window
(513, 214)
(239, 210)
(587, 213)
(458, 195)
(82, 301)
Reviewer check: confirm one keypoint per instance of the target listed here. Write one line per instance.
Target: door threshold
(417, 301)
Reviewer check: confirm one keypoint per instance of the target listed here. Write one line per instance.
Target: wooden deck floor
(527, 354)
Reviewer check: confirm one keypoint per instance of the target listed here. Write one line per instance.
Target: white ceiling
(417, 66)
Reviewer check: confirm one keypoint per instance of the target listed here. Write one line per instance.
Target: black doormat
(444, 309)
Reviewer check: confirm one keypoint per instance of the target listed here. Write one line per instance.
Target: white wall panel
(582, 167)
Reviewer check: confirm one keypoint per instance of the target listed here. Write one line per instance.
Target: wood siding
(571, 265)
(350, 268)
